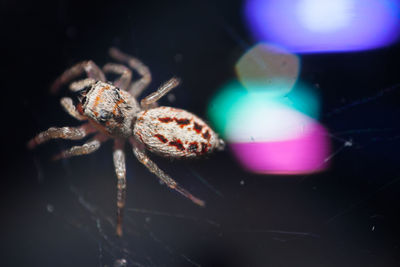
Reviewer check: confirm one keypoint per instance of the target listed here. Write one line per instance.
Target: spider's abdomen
(174, 133)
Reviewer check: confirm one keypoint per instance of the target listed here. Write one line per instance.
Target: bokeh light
(302, 155)
(309, 26)
(271, 134)
(269, 68)
(235, 106)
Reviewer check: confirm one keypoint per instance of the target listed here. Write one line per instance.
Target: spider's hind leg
(171, 183)
(162, 91)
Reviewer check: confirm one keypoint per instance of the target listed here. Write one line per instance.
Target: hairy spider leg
(120, 170)
(161, 91)
(91, 69)
(138, 86)
(125, 74)
(171, 183)
(87, 148)
(72, 133)
(69, 107)
(81, 84)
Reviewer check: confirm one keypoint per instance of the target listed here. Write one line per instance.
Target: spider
(112, 112)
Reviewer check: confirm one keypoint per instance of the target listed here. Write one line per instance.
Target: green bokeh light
(233, 104)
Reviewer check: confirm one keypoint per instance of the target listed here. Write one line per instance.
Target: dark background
(62, 213)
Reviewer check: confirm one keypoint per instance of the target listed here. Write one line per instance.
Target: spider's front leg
(87, 148)
(81, 84)
(72, 133)
(120, 170)
(138, 86)
(91, 69)
(69, 107)
(171, 183)
(126, 75)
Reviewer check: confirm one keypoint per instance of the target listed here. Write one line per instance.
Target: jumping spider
(112, 112)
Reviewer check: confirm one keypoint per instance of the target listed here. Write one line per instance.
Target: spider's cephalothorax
(110, 108)
(112, 111)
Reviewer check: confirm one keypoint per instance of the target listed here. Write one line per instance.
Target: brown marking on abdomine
(193, 147)
(197, 127)
(206, 135)
(178, 144)
(161, 138)
(204, 147)
(182, 122)
(165, 119)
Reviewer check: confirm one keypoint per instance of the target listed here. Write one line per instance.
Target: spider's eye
(104, 115)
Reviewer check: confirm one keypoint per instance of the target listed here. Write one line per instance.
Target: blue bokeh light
(308, 26)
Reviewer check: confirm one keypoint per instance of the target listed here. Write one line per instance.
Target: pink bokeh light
(305, 154)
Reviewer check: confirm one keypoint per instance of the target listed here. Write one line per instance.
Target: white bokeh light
(260, 120)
